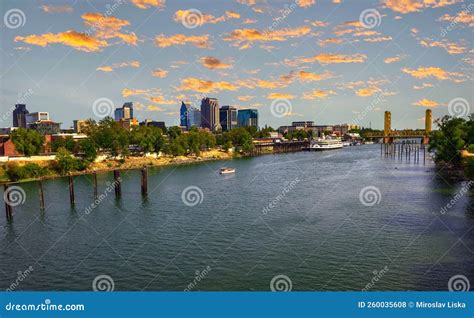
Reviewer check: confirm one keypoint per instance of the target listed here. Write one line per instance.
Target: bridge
(389, 135)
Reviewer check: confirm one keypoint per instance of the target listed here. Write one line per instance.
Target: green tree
(65, 162)
(88, 149)
(109, 136)
(148, 138)
(448, 141)
(66, 142)
(27, 141)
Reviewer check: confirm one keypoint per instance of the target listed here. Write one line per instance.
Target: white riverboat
(326, 144)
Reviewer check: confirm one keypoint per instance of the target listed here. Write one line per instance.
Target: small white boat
(226, 170)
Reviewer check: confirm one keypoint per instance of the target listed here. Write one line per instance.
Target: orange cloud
(318, 94)
(464, 17)
(79, 41)
(159, 73)
(319, 24)
(213, 63)
(327, 58)
(56, 9)
(126, 92)
(108, 27)
(204, 86)
(240, 36)
(426, 103)
(249, 21)
(110, 68)
(408, 6)
(279, 96)
(378, 39)
(450, 47)
(245, 98)
(232, 14)
(145, 4)
(305, 3)
(393, 59)
(199, 41)
(436, 72)
(422, 86)
(161, 100)
(153, 108)
(328, 41)
(368, 91)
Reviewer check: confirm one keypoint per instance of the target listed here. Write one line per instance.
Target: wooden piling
(41, 194)
(117, 183)
(8, 207)
(94, 178)
(144, 181)
(71, 190)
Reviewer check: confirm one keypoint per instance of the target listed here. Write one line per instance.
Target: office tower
(126, 112)
(247, 118)
(210, 114)
(228, 117)
(183, 113)
(193, 118)
(19, 116)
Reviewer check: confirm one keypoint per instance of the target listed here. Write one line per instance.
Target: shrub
(16, 172)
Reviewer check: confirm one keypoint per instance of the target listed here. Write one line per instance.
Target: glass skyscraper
(247, 117)
(228, 117)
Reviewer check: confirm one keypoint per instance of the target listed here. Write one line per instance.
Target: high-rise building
(210, 114)
(19, 116)
(183, 113)
(228, 117)
(193, 118)
(126, 112)
(247, 118)
(118, 114)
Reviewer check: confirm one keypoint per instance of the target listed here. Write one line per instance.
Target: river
(340, 220)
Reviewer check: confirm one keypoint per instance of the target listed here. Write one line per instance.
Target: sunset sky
(325, 61)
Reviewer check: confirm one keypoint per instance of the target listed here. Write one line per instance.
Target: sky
(331, 62)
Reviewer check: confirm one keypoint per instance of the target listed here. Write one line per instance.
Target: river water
(340, 220)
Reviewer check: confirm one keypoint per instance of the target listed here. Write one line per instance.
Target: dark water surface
(295, 214)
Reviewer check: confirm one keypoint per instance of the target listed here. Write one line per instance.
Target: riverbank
(129, 163)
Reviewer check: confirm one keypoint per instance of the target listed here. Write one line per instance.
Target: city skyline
(324, 58)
